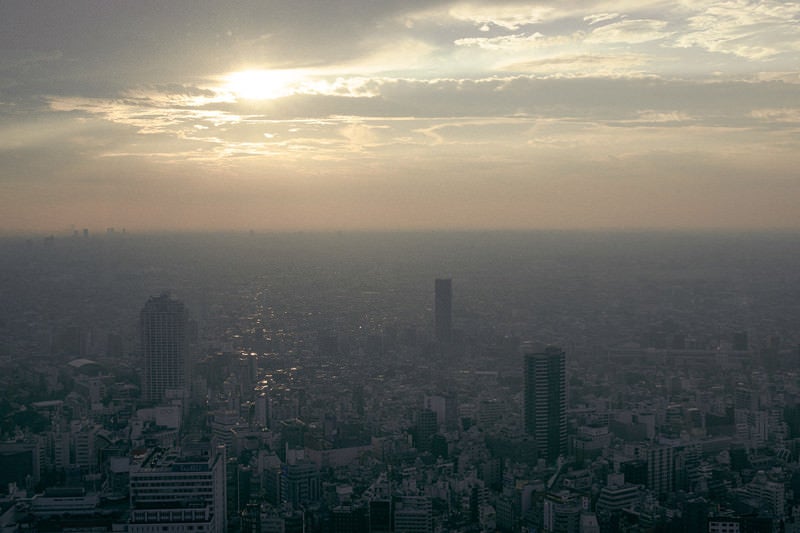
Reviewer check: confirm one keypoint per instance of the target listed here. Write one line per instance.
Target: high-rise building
(660, 469)
(170, 491)
(164, 345)
(546, 401)
(443, 310)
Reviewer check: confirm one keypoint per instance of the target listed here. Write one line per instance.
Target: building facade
(546, 401)
(171, 492)
(163, 329)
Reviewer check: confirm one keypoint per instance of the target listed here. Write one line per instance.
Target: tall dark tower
(443, 310)
(546, 401)
(164, 345)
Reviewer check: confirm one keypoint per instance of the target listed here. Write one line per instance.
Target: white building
(179, 493)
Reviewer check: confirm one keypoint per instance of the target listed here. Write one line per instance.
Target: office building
(546, 401)
(173, 492)
(300, 482)
(443, 310)
(413, 514)
(163, 329)
(561, 512)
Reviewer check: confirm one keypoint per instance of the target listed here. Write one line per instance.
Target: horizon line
(73, 234)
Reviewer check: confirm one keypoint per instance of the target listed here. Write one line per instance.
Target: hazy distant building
(446, 409)
(164, 345)
(426, 428)
(546, 401)
(740, 342)
(443, 310)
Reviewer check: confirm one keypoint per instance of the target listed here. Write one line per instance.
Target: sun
(263, 84)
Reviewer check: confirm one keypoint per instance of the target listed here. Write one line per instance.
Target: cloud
(600, 17)
(631, 31)
(502, 42)
(745, 28)
(419, 122)
(361, 136)
(780, 115)
(584, 66)
(651, 93)
(561, 82)
(654, 116)
(148, 116)
(507, 16)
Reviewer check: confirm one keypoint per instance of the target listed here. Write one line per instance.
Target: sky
(399, 114)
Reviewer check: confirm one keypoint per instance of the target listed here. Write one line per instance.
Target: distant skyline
(361, 115)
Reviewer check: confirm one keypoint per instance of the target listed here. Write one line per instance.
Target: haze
(308, 115)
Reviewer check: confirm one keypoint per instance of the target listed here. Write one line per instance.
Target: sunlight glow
(263, 84)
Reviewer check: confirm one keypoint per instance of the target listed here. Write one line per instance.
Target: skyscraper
(546, 401)
(443, 310)
(164, 345)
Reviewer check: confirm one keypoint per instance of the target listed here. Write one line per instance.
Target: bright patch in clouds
(275, 84)
(263, 84)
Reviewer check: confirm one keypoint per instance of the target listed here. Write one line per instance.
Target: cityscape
(499, 381)
(400, 266)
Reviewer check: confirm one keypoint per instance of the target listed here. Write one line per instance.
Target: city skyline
(356, 115)
(667, 397)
